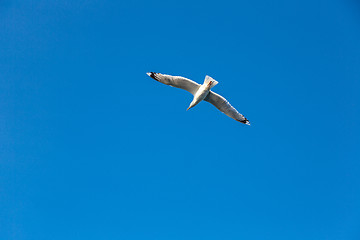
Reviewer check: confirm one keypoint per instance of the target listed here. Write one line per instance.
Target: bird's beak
(188, 108)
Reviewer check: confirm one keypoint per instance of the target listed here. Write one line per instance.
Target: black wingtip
(245, 121)
(152, 75)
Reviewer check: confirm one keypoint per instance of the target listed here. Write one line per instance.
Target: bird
(201, 92)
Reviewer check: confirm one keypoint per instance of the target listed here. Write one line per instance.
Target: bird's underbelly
(200, 95)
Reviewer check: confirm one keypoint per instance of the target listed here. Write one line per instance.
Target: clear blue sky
(92, 148)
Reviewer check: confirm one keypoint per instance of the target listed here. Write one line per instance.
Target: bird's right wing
(176, 81)
(224, 106)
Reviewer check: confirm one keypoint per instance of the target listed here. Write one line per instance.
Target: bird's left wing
(176, 81)
(224, 106)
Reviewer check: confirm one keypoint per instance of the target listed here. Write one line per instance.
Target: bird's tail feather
(210, 81)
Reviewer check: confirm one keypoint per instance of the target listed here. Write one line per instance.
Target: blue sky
(92, 148)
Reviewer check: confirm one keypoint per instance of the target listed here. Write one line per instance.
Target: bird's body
(201, 92)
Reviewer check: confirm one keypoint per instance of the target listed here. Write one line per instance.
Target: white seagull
(201, 92)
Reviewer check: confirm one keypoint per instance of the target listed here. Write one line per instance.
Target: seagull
(201, 92)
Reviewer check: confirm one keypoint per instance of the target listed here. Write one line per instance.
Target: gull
(201, 92)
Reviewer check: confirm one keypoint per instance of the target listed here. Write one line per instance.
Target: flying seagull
(201, 92)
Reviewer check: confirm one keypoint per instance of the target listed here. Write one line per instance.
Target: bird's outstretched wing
(176, 81)
(223, 105)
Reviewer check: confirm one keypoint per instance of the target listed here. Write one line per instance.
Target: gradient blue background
(92, 148)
